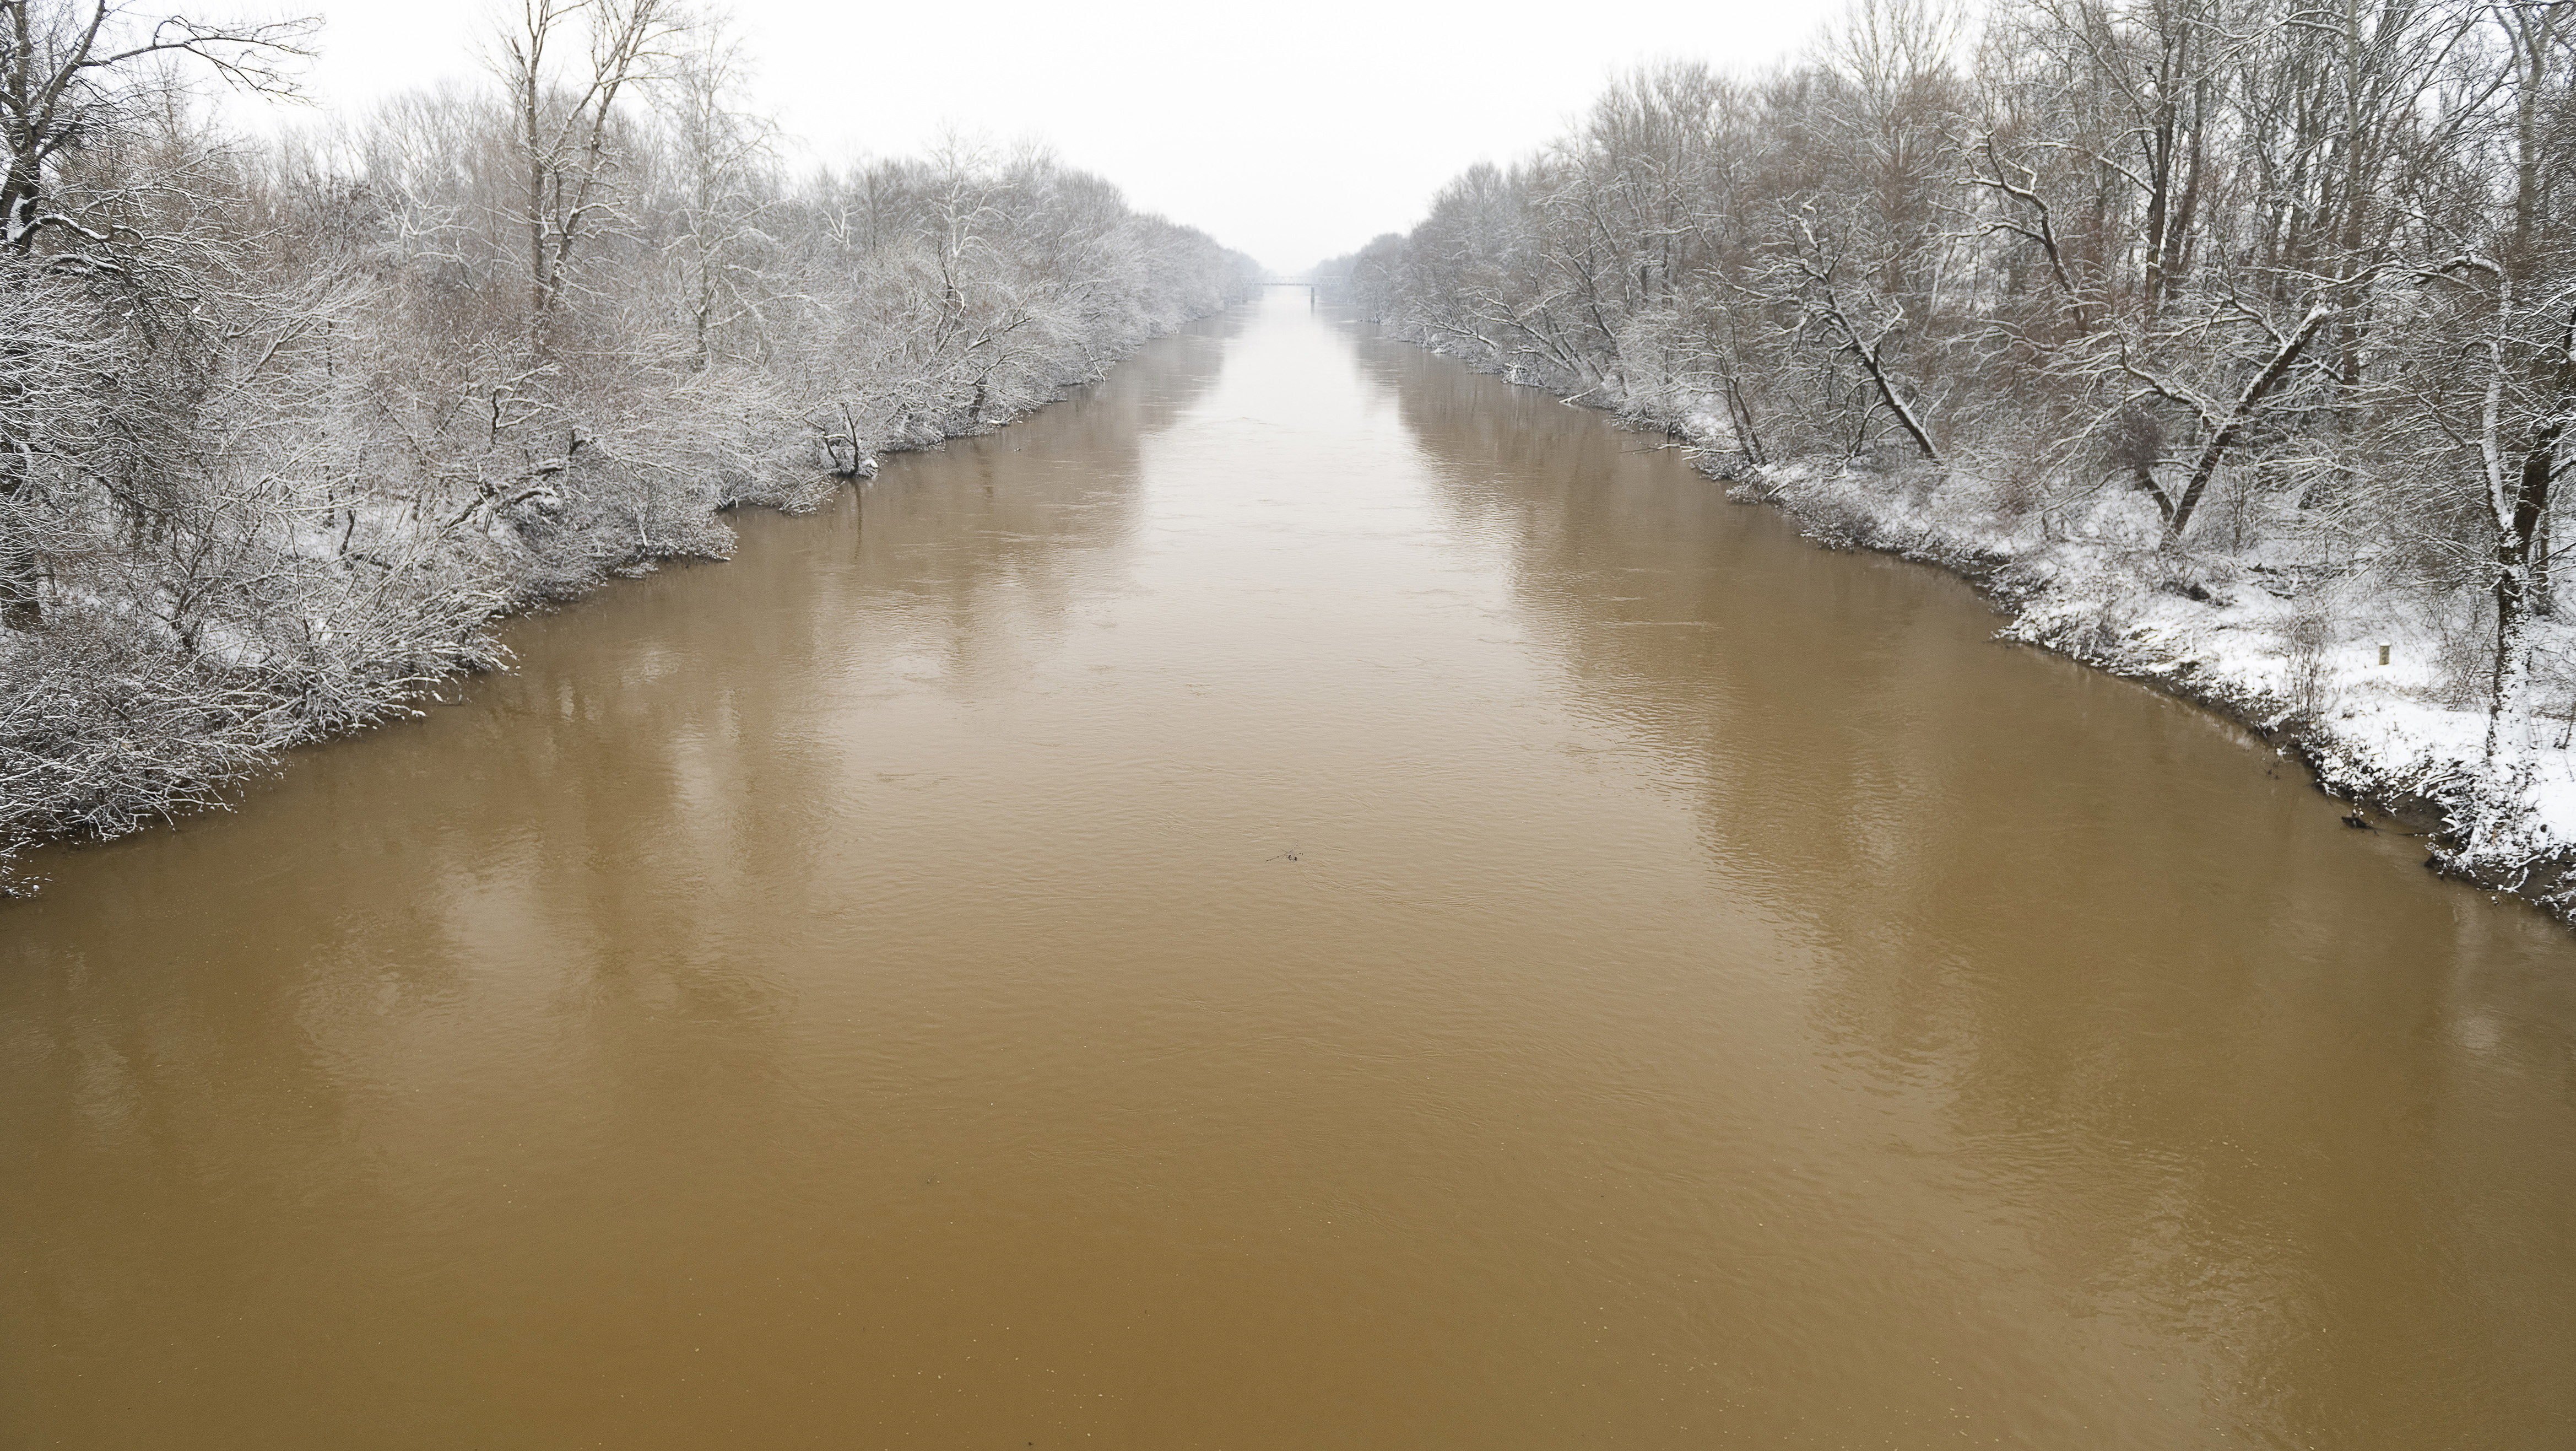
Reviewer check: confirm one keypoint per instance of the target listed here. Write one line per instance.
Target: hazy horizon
(1292, 138)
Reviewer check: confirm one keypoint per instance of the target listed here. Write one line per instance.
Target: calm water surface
(1300, 898)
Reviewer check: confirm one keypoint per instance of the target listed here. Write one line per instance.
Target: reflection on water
(2199, 1049)
(1302, 897)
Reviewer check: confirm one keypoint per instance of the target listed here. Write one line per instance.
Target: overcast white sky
(1293, 134)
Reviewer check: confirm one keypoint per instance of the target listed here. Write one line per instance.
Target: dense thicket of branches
(283, 426)
(2240, 293)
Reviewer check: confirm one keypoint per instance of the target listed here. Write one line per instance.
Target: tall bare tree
(567, 123)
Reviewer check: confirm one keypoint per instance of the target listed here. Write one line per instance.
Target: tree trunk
(2248, 405)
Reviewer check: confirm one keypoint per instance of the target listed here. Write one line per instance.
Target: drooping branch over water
(286, 424)
(2233, 341)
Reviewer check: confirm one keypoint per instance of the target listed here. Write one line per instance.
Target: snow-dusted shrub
(284, 426)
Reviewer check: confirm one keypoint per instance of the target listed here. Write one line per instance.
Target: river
(1301, 897)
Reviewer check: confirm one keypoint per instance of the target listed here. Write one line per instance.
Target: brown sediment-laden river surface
(1302, 897)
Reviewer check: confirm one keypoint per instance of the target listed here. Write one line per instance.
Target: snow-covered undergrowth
(2333, 641)
(109, 725)
(2229, 392)
(2386, 690)
(287, 423)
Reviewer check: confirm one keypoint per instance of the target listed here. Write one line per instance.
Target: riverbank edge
(2342, 766)
(2417, 788)
(206, 779)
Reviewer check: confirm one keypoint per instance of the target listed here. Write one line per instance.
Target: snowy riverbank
(2384, 692)
(104, 733)
(2228, 393)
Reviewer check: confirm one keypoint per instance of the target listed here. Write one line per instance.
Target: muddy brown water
(1300, 898)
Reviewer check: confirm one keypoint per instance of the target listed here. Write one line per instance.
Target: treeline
(2232, 300)
(285, 424)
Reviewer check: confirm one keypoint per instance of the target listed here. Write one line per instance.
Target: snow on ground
(2260, 618)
